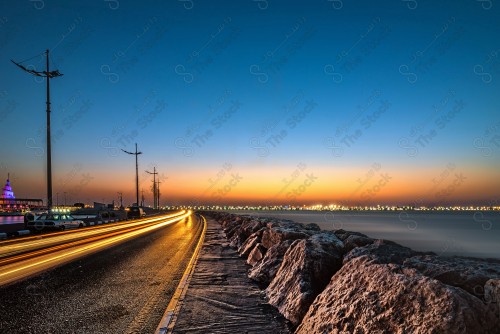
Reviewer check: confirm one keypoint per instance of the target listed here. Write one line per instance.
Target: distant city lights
(332, 207)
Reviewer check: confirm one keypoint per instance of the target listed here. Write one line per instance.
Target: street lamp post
(136, 172)
(158, 193)
(155, 206)
(48, 75)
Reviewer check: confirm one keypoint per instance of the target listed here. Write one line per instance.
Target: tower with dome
(9, 202)
(7, 192)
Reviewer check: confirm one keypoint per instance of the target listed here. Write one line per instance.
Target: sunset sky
(255, 101)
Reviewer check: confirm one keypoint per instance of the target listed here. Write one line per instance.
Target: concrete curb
(169, 318)
(5, 236)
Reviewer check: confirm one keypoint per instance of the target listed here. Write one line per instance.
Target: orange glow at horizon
(299, 184)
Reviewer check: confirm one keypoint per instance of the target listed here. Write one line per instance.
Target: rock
(307, 267)
(247, 246)
(238, 229)
(312, 227)
(492, 295)
(274, 222)
(469, 274)
(382, 251)
(353, 240)
(264, 271)
(369, 297)
(343, 234)
(256, 254)
(230, 226)
(239, 234)
(277, 234)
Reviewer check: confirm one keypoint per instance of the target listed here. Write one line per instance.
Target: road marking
(169, 318)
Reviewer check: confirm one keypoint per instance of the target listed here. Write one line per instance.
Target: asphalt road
(124, 289)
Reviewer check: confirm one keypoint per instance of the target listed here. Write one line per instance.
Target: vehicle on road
(135, 212)
(92, 217)
(59, 221)
(31, 216)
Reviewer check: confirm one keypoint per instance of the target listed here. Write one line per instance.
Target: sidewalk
(221, 298)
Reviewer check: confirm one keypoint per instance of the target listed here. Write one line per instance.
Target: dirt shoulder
(221, 298)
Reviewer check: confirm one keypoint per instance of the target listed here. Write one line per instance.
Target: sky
(255, 101)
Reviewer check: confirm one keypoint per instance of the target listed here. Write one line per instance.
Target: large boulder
(307, 267)
(264, 271)
(343, 234)
(231, 225)
(247, 246)
(353, 240)
(382, 251)
(274, 222)
(312, 227)
(492, 295)
(369, 297)
(470, 274)
(275, 235)
(256, 254)
(247, 227)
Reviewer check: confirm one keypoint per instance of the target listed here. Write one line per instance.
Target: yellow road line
(169, 318)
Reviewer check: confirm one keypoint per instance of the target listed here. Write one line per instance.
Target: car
(96, 218)
(32, 215)
(135, 212)
(59, 221)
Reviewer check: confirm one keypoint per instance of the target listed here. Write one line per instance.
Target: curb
(5, 235)
(169, 318)
(23, 232)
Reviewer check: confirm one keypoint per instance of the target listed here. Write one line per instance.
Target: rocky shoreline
(346, 282)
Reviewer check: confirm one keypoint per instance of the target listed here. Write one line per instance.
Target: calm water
(11, 219)
(445, 233)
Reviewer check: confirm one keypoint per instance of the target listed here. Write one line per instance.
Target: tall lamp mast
(155, 205)
(48, 75)
(136, 172)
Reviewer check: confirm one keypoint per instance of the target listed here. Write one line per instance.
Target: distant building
(98, 205)
(8, 201)
(7, 192)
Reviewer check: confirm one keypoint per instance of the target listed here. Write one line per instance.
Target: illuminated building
(8, 201)
(7, 192)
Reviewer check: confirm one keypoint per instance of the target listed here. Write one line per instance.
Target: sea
(11, 219)
(446, 233)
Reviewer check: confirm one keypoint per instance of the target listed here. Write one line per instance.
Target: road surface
(122, 288)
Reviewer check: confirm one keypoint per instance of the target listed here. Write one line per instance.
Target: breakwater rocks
(346, 282)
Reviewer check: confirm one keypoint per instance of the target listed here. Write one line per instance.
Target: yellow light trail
(13, 247)
(29, 267)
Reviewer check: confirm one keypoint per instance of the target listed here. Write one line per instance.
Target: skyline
(233, 103)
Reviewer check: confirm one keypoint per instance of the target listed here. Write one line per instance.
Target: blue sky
(261, 86)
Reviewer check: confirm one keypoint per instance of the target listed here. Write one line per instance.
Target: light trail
(13, 247)
(39, 261)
